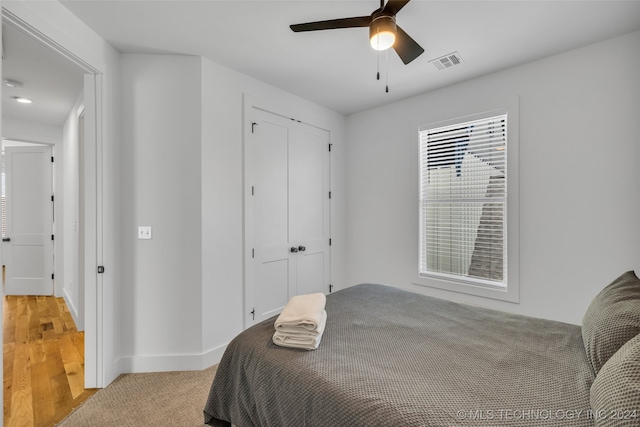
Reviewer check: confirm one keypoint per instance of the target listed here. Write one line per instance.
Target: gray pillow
(615, 393)
(612, 319)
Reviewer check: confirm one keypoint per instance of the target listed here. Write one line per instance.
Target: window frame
(509, 292)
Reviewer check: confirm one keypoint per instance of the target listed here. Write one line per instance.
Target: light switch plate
(144, 232)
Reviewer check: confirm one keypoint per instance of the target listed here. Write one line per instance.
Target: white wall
(579, 175)
(160, 169)
(68, 223)
(222, 194)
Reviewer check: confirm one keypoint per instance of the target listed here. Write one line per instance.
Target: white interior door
(29, 220)
(289, 214)
(274, 273)
(309, 207)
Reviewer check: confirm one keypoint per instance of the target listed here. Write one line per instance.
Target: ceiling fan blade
(393, 6)
(406, 47)
(360, 21)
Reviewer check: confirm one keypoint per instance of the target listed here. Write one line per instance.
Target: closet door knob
(302, 248)
(294, 250)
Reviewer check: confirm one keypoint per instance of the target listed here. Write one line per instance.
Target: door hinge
(330, 288)
(253, 253)
(329, 242)
(329, 194)
(330, 147)
(253, 126)
(52, 198)
(51, 159)
(253, 313)
(252, 190)
(52, 276)
(100, 269)
(52, 237)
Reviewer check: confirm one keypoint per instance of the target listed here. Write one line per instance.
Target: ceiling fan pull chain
(387, 73)
(378, 60)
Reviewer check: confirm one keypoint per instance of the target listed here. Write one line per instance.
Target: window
(463, 201)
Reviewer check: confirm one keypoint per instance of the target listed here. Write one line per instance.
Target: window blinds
(463, 201)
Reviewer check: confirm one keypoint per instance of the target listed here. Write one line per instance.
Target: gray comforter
(394, 358)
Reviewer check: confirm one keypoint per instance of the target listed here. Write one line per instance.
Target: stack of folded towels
(301, 323)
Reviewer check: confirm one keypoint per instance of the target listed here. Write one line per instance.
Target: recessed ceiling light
(12, 83)
(22, 100)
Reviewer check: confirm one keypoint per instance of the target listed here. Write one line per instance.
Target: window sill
(509, 293)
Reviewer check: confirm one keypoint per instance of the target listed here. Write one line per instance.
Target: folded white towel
(302, 313)
(303, 339)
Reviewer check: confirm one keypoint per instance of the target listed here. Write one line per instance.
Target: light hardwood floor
(43, 361)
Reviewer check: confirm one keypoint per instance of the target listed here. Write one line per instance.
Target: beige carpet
(153, 399)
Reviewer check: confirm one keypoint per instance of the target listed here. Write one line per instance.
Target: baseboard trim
(72, 309)
(171, 362)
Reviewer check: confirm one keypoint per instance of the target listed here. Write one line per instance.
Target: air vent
(447, 61)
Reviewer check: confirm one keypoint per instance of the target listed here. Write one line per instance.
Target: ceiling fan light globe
(383, 40)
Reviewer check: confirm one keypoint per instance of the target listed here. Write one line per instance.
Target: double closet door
(287, 213)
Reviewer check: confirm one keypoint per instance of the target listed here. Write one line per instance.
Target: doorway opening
(83, 116)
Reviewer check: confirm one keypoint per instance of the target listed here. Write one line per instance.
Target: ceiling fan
(383, 31)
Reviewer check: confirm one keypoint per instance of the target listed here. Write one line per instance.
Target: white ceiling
(336, 68)
(52, 83)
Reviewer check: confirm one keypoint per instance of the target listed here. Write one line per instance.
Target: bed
(390, 357)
